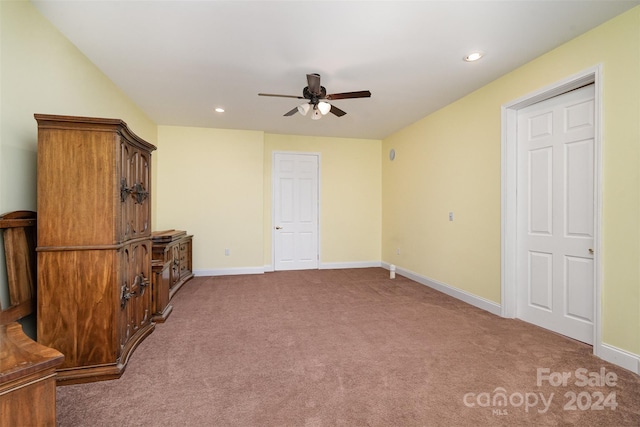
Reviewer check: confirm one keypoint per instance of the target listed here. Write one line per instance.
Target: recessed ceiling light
(473, 56)
(219, 110)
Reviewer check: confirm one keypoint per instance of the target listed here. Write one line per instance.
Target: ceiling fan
(317, 96)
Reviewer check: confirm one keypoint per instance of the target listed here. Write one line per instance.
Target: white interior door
(295, 219)
(555, 214)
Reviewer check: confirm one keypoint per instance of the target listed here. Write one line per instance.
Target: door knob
(591, 251)
(278, 227)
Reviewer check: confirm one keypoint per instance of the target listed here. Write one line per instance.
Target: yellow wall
(441, 167)
(42, 72)
(216, 184)
(210, 184)
(350, 195)
(451, 161)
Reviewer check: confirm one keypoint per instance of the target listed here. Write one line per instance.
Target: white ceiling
(178, 60)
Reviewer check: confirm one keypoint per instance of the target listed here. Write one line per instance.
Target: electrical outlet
(227, 252)
(398, 251)
(450, 216)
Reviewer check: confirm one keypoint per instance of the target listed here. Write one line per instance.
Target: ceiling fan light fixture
(303, 109)
(317, 115)
(324, 107)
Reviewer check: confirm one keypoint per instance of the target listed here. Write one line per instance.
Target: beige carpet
(348, 348)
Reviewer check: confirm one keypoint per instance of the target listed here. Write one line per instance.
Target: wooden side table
(172, 268)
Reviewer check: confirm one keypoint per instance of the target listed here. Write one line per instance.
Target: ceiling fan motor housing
(314, 97)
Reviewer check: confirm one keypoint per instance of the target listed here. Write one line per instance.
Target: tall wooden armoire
(94, 244)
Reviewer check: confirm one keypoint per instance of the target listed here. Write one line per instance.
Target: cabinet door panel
(64, 279)
(71, 192)
(125, 296)
(175, 264)
(134, 192)
(127, 180)
(142, 206)
(185, 258)
(141, 281)
(135, 293)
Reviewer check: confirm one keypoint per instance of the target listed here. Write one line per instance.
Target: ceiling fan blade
(313, 82)
(291, 113)
(347, 95)
(338, 112)
(280, 96)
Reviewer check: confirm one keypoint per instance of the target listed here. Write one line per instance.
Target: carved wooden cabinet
(172, 267)
(94, 244)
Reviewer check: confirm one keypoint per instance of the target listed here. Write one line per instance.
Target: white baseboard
(467, 297)
(356, 264)
(619, 357)
(229, 271)
(270, 268)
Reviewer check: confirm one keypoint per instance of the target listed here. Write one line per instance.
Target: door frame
(509, 176)
(273, 200)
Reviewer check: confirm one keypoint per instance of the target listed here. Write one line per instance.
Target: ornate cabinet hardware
(125, 296)
(124, 190)
(137, 190)
(143, 281)
(140, 193)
